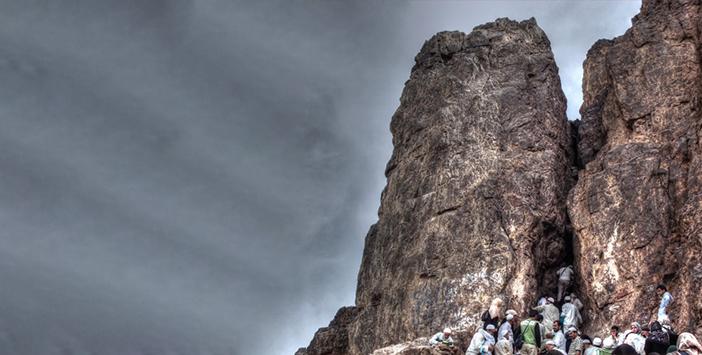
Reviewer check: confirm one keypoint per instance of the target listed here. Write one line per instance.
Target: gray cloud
(190, 177)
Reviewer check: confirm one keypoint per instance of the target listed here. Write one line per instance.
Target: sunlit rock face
(636, 209)
(474, 206)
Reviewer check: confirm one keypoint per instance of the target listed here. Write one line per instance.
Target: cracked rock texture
(474, 205)
(636, 208)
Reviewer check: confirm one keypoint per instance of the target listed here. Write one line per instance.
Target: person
(493, 314)
(657, 341)
(576, 345)
(633, 338)
(531, 334)
(505, 336)
(597, 346)
(541, 301)
(558, 336)
(645, 331)
(443, 342)
(570, 314)
(516, 330)
(576, 301)
(666, 300)
(672, 335)
(687, 345)
(624, 349)
(483, 341)
(565, 274)
(551, 346)
(549, 312)
(613, 340)
(588, 349)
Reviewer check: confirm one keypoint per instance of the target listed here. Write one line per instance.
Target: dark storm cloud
(186, 177)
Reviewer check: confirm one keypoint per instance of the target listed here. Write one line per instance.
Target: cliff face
(477, 185)
(481, 195)
(636, 208)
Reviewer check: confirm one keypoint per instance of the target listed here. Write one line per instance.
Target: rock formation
(477, 184)
(637, 208)
(480, 196)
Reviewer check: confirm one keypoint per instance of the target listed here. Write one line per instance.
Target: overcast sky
(196, 177)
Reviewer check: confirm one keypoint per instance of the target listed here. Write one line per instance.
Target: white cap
(510, 317)
(608, 342)
(550, 342)
(512, 312)
(490, 327)
(567, 298)
(572, 329)
(550, 299)
(447, 330)
(597, 342)
(586, 341)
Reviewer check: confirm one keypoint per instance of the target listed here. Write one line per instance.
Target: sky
(197, 177)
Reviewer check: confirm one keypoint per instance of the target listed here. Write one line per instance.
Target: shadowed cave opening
(554, 250)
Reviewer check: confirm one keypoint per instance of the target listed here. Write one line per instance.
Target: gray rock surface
(477, 184)
(637, 208)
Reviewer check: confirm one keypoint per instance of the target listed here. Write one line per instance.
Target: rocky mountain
(487, 177)
(637, 208)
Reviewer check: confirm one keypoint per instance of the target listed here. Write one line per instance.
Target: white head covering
(572, 329)
(490, 327)
(586, 341)
(510, 317)
(567, 298)
(608, 342)
(550, 342)
(550, 299)
(447, 330)
(597, 342)
(512, 312)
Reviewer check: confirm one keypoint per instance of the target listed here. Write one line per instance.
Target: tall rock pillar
(474, 206)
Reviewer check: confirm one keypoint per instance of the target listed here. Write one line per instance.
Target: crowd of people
(550, 330)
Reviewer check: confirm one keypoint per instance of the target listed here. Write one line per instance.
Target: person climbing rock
(570, 314)
(493, 314)
(565, 275)
(657, 341)
(613, 340)
(558, 336)
(633, 338)
(443, 342)
(666, 300)
(576, 343)
(549, 312)
(576, 301)
(483, 341)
